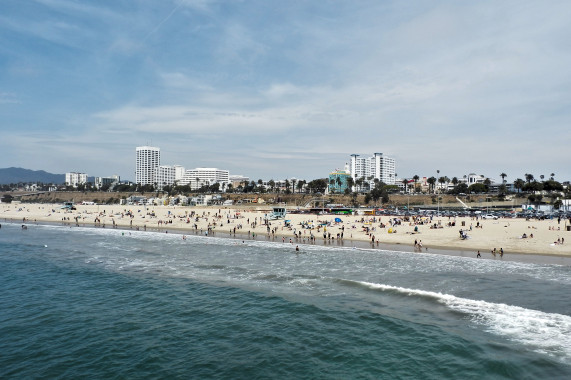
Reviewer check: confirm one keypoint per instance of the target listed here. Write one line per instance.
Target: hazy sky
(276, 89)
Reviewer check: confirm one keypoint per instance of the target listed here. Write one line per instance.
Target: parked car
(490, 216)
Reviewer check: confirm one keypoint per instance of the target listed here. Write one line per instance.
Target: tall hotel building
(148, 160)
(378, 166)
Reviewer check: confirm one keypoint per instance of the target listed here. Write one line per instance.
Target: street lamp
(437, 196)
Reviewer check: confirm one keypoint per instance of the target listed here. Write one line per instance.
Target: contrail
(164, 20)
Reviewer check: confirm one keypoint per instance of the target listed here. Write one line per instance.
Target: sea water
(123, 304)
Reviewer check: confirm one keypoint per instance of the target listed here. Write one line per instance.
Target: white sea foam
(547, 333)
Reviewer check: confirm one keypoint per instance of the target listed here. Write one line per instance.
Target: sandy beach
(545, 237)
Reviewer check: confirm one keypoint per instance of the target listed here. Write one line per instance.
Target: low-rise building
(338, 180)
(111, 181)
(74, 179)
(196, 178)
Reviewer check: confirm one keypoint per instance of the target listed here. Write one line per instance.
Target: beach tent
(338, 220)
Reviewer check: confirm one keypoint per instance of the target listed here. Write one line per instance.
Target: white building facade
(199, 177)
(111, 181)
(148, 160)
(164, 176)
(74, 179)
(378, 166)
(179, 171)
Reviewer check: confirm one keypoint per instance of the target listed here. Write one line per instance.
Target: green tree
(432, 181)
(455, 183)
(359, 182)
(442, 181)
(462, 188)
(350, 183)
(477, 188)
(487, 183)
(552, 185)
(300, 184)
(518, 184)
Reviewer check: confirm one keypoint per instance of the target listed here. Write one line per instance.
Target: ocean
(118, 304)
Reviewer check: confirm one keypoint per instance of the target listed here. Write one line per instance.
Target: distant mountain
(16, 175)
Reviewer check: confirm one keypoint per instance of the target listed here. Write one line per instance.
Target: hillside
(17, 175)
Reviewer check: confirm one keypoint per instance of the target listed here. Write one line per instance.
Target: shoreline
(522, 257)
(387, 232)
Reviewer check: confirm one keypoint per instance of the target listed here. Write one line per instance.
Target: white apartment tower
(148, 160)
(378, 166)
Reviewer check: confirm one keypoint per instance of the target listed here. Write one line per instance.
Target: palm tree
(518, 184)
(369, 179)
(442, 181)
(455, 182)
(552, 176)
(359, 183)
(542, 177)
(503, 175)
(293, 181)
(301, 182)
(432, 181)
(272, 184)
(332, 184)
(350, 183)
(529, 177)
(416, 178)
(405, 183)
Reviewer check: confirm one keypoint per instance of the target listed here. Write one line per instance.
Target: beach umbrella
(338, 220)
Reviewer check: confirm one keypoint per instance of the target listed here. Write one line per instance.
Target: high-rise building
(148, 160)
(378, 167)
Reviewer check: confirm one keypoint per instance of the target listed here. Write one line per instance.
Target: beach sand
(248, 223)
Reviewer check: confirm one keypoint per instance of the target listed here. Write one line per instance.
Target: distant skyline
(272, 89)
